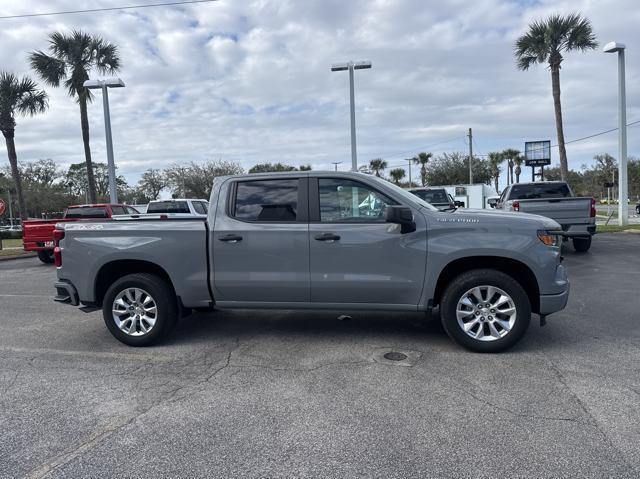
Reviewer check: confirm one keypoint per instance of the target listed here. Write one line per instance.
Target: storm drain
(396, 357)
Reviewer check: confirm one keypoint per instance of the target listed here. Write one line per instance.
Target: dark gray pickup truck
(317, 240)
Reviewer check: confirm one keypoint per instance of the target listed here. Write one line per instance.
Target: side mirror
(459, 204)
(402, 216)
(492, 202)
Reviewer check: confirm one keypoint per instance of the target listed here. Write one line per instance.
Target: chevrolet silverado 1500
(317, 240)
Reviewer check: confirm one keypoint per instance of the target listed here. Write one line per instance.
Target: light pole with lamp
(623, 206)
(351, 66)
(104, 85)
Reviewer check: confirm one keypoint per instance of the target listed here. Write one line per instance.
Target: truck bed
(571, 213)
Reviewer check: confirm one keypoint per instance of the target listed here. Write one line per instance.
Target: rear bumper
(38, 245)
(582, 230)
(66, 293)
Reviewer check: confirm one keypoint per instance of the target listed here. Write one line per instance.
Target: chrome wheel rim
(486, 313)
(134, 311)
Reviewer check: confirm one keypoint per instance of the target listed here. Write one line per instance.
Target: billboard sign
(537, 153)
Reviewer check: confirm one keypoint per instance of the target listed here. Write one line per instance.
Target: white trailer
(473, 196)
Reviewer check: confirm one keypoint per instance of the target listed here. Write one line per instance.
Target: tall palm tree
(72, 57)
(422, 159)
(377, 166)
(518, 160)
(510, 154)
(495, 158)
(18, 96)
(397, 174)
(545, 42)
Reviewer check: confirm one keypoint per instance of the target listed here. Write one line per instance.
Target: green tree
(305, 168)
(495, 158)
(422, 159)
(544, 42)
(453, 169)
(152, 183)
(510, 155)
(518, 161)
(18, 97)
(72, 57)
(194, 180)
(397, 174)
(77, 177)
(377, 165)
(271, 167)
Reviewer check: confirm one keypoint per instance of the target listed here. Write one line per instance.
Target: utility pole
(335, 164)
(410, 161)
(470, 156)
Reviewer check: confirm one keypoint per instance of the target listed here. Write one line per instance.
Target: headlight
(550, 239)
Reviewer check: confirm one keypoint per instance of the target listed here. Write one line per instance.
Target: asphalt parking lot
(290, 394)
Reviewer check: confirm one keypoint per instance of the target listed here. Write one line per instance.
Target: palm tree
(72, 57)
(495, 159)
(518, 160)
(510, 155)
(422, 159)
(377, 165)
(18, 96)
(545, 42)
(397, 174)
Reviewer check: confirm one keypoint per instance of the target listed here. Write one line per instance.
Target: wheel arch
(518, 270)
(114, 270)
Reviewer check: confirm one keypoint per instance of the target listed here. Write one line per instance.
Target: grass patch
(12, 243)
(616, 228)
(5, 253)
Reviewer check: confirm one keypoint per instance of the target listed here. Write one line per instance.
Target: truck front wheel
(485, 310)
(139, 309)
(582, 245)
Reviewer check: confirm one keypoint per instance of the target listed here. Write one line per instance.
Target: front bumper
(66, 293)
(551, 303)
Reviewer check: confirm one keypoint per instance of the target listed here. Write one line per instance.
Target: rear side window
(89, 212)
(200, 207)
(168, 207)
(131, 211)
(532, 192)
(266, 201)
(117, 210)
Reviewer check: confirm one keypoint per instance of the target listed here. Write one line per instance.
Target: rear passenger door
(260, 241)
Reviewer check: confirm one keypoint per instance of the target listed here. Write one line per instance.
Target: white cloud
(250, 81)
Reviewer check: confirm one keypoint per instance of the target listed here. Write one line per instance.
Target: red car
(37, 235)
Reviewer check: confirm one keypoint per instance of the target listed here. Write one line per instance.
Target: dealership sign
(537, 153)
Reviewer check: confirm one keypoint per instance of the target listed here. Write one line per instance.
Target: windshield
(168, 207)
(405, 194)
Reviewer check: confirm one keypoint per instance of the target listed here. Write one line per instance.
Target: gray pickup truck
(555, 200)
(317, 240)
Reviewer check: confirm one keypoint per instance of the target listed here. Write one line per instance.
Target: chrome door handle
(327, 237)
(230, 238)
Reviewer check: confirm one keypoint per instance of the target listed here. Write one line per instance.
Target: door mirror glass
(402, 216)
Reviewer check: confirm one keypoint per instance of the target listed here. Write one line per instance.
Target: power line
(106, 9)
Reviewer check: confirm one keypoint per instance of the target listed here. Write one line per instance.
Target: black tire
(166, 308)
(463, 283)
(46, 256)
(581, 245)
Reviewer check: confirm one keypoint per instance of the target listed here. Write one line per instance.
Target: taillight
(593, 207)
(57, 256)
(57, 236)
(515, 206)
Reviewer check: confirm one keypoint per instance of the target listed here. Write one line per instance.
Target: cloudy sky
(250, 80)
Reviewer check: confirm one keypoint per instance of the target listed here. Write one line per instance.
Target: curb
(21, 256)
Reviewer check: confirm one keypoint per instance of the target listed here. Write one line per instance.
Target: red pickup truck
(37, 235)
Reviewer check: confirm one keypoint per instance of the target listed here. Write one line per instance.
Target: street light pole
(351, 66)
(104, 85)
(623, 206)
(335, 164)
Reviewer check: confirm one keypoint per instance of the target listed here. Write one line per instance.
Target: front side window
(266, 201)
(348, 201)
(117, 210)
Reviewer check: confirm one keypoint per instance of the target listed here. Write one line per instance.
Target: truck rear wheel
(485, 310)
(46, 256)
(582, 244)
(140, 309)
